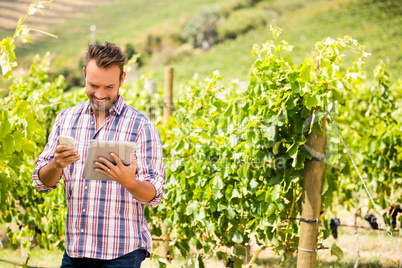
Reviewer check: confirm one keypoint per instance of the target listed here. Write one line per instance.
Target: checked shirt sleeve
(150, 160)
(45, 157)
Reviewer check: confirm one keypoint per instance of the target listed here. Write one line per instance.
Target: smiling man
(105, 225)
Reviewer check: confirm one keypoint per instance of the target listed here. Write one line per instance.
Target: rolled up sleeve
(150, 166)
(45, 157)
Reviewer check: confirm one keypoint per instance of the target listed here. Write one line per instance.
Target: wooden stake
(164, 251)
(247, 258)
(311, 202)
(168, 94)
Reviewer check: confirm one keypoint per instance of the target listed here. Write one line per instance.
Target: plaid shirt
(104, 221)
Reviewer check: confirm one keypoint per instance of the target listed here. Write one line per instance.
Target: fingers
(102, 168)
(64, 158)
(60, 148)
(106, 167)
(72, 158)
(62, 152)
(116, 159)
(105, 164)
(134, 163)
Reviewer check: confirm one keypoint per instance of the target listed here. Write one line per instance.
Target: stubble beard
(102, 108)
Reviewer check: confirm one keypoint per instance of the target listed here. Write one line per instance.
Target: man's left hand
(125, 175)
(120, 173)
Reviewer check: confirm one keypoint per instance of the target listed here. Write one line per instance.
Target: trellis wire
(368, 192)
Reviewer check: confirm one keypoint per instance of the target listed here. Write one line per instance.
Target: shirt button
(83, 210)
(86, 187)
(92, 122)
(82, 230)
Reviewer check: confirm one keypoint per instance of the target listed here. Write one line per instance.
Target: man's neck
(100, 115)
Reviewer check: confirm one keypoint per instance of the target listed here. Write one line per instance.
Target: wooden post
(168, 94)
(164, 251)
(311, 202)
(357, 237)
(247, 258)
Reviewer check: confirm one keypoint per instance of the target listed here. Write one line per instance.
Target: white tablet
(124, 150)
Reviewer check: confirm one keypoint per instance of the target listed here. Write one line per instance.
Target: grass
(39, 257)
(376, 251)
(374, 24)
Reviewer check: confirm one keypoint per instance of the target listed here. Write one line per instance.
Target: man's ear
(83, 71)
(123, 77)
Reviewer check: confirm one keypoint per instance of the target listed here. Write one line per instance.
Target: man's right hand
(63, 158)
(50, 173)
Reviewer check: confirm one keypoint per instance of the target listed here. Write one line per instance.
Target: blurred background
(197, 37)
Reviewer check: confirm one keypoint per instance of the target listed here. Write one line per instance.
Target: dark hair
(106, 55)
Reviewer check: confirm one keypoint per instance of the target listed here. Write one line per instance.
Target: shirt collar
(116, 107)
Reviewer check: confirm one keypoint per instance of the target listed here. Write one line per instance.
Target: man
(105, 224)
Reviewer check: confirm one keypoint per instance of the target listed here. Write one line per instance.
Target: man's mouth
(99, 102)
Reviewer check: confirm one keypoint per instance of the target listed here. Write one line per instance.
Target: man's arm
(143, 191)
(49, 175)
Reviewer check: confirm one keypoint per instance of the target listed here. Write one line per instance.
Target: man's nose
(101, 93)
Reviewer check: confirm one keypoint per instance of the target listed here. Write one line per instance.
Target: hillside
(57, 12)
(377, 24)
(115, 22)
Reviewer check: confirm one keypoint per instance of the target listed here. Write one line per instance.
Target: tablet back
(124, 150)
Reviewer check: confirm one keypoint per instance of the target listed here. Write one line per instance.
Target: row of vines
(234, 155)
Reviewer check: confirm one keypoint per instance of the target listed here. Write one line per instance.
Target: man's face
(102, 85)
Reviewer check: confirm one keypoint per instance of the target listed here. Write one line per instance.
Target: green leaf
(23, 34)
(271, 210)
(254, 185)
(336, 251)
(276, 179)
(229, 109)
(200, 215)
(292, 151)
(268, 132)
(180, 146)
(5, 125)
(305, 71)
(191, 208)
(7, 57)
(275, 150)
(325, 185)
(301, 157)
(8, 144)
(221, 255)
(230, 212)
(311, 101)
(218, 182)
(184, 247)
(19, 140)
(236, 236)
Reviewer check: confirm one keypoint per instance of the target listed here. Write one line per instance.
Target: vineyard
(236, 154)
